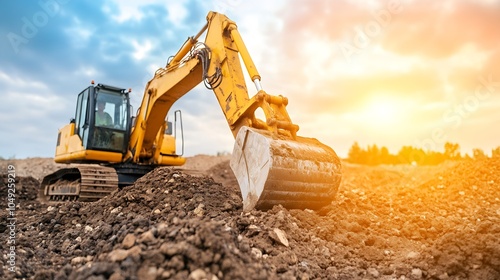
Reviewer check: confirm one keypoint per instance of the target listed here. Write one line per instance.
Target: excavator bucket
(301, 173)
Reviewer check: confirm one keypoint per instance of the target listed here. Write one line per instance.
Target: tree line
(375, 155)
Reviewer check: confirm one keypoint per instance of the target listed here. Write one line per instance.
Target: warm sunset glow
(386, 76)
(382, 112)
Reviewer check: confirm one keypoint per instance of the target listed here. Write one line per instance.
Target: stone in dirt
(279, 236)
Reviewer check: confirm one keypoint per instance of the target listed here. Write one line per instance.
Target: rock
(147, 273)
(444, 276)
(134, 252)
(170, 249)
(198, 274)
(287, 257)
(198, 211)
(257, 253)
(116, 210)
(227, 206)
(161, 229)
(116, 276)
(412, 255)
(66, 244)
(128, 241)
(279, 236)
(373, 272)
(78, 260)
(106, 230)
(146, 237)
(88, 229)
(118, 255)
(325, 252)
(51, 208)
(416, 273)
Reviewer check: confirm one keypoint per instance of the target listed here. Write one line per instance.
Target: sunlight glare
(383, 111)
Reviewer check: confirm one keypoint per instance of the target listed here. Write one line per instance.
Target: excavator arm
(217, 62)
(271, 163)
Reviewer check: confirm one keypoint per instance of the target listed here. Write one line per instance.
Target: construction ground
(387, 222)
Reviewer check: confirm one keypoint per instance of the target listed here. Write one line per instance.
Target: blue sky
(51, 50)
(353, 70)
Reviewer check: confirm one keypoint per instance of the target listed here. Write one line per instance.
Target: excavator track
(82, 182)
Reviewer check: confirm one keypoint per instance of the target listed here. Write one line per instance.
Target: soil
(388, 222)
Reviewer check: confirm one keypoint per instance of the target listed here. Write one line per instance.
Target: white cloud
(468, 56)
(177, 11)
(210, 136)
(30, 114)
(127, 9)
(19, 82)
(141, 49)
(131, 9)
(88, 71)
(79, 33)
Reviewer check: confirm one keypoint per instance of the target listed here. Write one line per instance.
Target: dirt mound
(444, 227)
(399, 222)
(31, 167)
(26, 188)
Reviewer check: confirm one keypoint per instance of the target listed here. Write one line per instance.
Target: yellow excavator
(109, 147)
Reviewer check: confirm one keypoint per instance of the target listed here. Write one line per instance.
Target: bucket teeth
(301, 173)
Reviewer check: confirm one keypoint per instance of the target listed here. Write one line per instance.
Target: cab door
(81, 116)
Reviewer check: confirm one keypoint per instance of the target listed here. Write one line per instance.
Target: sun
(383, 111)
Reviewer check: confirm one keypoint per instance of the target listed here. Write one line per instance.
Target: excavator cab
(100, 129)
(102, 118)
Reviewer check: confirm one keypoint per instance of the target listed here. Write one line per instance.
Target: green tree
(495, 153)
(355, 154)
(451, 151)
(385, 156)
(412, 155)
(373, 155)
(478, 154)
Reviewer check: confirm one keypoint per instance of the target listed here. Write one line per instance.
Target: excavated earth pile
(390, 222)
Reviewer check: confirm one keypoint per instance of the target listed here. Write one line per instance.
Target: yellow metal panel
(171, 160)
(89, 155)
(68, 141)
(168, 145)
